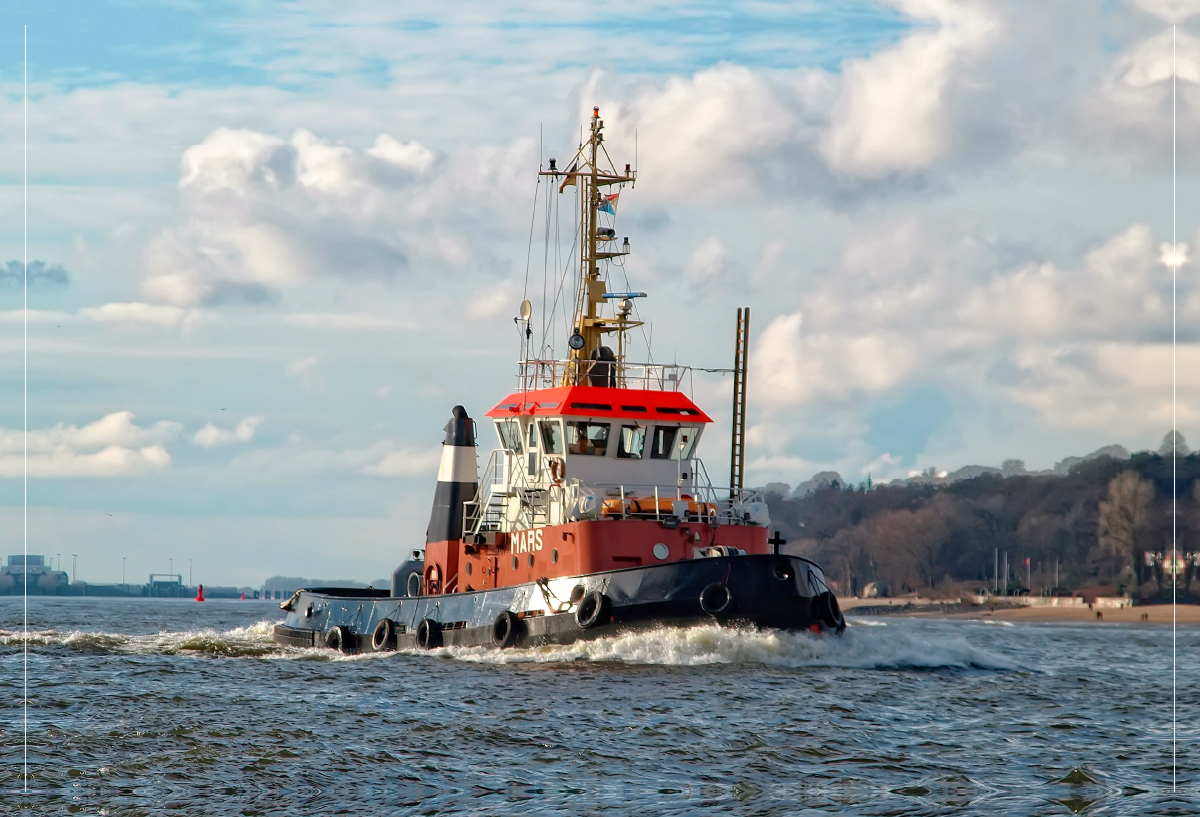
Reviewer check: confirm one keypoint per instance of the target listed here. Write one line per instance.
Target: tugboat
(594, 516)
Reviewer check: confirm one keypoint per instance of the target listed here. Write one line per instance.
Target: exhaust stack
(458, 479)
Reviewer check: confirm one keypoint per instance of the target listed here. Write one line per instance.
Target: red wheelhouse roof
(598, 401)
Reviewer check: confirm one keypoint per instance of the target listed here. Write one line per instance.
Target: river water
(160, 706)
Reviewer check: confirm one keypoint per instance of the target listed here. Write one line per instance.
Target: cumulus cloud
(337, 320)
(710, 263)
(795, 370)
(33, 316)
(211, 435)
(384, 458)
(142, 314)
(111, 446)
(891, 114)
(1173, 11)
(39, 274)
(302, 366)
(493, 300)
(265, 214)
(1082, 347)
(1130, 109)
(405, 463)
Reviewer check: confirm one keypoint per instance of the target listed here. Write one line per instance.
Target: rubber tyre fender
(383, 639)
(594, 608)
(338, 637)
(429, 634)
(506, 629)
(826, 609)
(715, 599)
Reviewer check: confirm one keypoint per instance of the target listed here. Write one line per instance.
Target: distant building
(30, 574)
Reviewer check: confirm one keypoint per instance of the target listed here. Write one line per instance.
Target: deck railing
(545, 374)
(504, 476)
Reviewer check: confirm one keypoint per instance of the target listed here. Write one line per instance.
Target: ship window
(587, 438)
(552, 442)
(633, 440)
(662, 444)
(686, 442)
(532, 434)
(674, 442)
(510, 434)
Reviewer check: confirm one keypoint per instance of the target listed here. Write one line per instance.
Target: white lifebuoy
(558, 470)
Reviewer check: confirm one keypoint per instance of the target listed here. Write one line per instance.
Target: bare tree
(1123, 517)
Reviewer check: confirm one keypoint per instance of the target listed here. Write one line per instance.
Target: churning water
(155, 706)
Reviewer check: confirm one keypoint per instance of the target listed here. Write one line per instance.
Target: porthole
(554, 556)
(531, 560)
(661, 551)
(516, 563)
(468, 568)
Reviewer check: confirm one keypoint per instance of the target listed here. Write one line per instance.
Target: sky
(271, 245)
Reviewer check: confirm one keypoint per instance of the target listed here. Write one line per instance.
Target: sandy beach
(1182, 614)
(1188, 614)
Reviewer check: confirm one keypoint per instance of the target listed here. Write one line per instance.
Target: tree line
(1107, 522)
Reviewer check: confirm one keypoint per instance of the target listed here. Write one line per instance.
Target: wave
(241, 642)
(857, 648)
(867, 648)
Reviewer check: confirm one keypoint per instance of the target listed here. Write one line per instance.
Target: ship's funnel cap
(461, 429)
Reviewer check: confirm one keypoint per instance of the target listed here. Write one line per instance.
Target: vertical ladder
(737, 457)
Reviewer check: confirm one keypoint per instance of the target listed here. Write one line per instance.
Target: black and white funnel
(458, 479)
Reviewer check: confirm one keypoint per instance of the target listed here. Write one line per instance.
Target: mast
(591, 171)
(741, 351)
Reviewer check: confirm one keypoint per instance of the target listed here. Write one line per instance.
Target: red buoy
(200, 593)
(243, 596)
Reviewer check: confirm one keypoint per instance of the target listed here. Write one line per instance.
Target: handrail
(476, 513)
(503, 460)
(545, 374)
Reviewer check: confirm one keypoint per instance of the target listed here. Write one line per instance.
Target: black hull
(772, 591)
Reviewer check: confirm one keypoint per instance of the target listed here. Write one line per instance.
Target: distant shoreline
(1185, 614)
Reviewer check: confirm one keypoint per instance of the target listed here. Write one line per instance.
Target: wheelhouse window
(587, 438)
(552, 441)
(510, 434)
(685, 442)
(533, 444)
(673, 442)
(662, 443)
(632, 442)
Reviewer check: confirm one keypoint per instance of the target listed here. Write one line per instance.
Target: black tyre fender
(429, 634)
(594, 608)
(506, 629)
(715, 599)
(339, 637)
(825, 608)
(383, 639)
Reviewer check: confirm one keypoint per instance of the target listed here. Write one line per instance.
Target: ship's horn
(458, 479)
